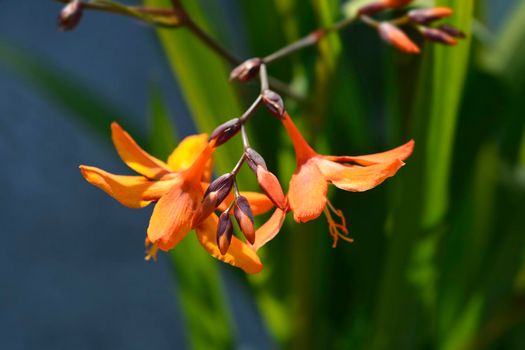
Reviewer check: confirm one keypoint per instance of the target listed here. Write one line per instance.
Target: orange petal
(303, 151)
(271, 186)
(187, 153)
(269, 229)
(135, 157)
(358, 178)
(239, 254)
(402, 152)
(259, 202)
(172, 216)
(131, 191)
(307, 192)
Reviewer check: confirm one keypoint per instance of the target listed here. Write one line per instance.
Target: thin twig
(263, 75)
(211, 43)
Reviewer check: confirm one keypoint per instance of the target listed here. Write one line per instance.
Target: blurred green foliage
(439, 253)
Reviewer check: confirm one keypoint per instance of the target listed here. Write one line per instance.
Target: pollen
(151, 250)
(337, 229)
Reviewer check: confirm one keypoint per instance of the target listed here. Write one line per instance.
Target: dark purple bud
(253, 159)
(371, 9)
(226, 131)
(244, 216)
(274, 103)
(224, 232)
(439, 36)
(221, 186)
(427, 15)
(452, 31)
(213, 197)
(70, 15)
(246, 70)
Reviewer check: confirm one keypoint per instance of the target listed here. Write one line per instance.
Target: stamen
(151, 250)
(335, 227)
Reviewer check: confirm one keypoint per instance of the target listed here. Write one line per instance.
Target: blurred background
(439, 256)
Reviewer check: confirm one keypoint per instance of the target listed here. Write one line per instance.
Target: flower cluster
(185, 199)
(185, 196)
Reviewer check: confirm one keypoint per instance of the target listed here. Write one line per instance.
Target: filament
(337, 229)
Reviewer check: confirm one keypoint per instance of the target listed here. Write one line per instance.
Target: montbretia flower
(307, 193)
(177, 187)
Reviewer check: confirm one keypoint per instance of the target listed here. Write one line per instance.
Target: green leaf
(199, 286)
(66, 90)
(407, 293)
(448, 77)
(162, 135)
(203, 79)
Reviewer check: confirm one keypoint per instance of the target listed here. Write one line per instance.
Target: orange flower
(177, 188)
(309, 184)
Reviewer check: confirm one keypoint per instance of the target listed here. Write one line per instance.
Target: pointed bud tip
(70, 15)
(224, 132)
(254, 159)
(224, 232)
(215, 194)
(452, 31)
(274, 103)
(397, 38)
(246, 70)
(427, 15)
(439, 36)
(271, 187)
(244, 216)
(371, 9)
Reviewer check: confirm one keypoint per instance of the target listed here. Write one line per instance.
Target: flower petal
(358, 178)
(131, 191)
(259, 202)
(239, 254)
(172, 216)
(135, 157)
(269, 229)
(402, 153)
(303, 151)
(307, 192)
(187, 152)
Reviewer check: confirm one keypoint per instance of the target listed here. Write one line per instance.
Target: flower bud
(427, 15)
(395, 3)
(271, 186)
(254, 159)
(70, 15)
(381, 5)
(371, 9)
(224, 232)
(437, 35)
(226, 131)
(274, 103)
(452, 31)
(396, 37)
(214, 195)
(244, 216)
(246, 70)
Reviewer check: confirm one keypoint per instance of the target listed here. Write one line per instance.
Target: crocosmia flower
(307, 194)
(177, 188)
